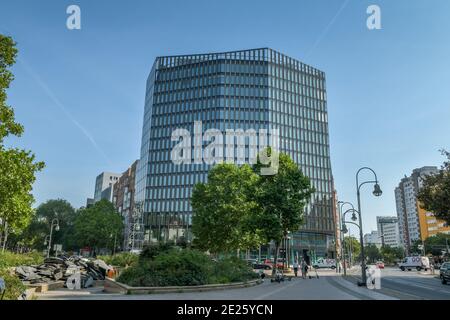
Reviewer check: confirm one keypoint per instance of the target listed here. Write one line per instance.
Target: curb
(112, 286)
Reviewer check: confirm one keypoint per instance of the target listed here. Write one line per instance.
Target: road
(411, 285)
(395, 285)
(329, 286)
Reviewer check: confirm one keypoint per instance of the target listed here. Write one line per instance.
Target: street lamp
(345, 230)
(55, 223)
(341, 219)
(376, 192)
(46, 240)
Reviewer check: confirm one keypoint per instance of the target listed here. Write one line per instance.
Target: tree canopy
(238, 208)
(221, 208)
(98, 226)
(17, 167)
(34, 235)
(281, 198)
(435, 193)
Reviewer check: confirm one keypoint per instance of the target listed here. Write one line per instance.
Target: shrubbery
(123, 259)
(164, 266)
(9, 259)
(14, 287)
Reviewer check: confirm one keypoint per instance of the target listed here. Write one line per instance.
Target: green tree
(391, 254)
(352, 245)
(221, 208)
(17, 167)
(39, 228)
(281, 199)
(416, 247)
(435, 193)
(98, 226)
(437, 244)
(373, 253)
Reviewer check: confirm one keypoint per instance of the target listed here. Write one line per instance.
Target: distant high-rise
(372, 238)
(414, 222)
(104, 186)
(249, 89)
(388, 231)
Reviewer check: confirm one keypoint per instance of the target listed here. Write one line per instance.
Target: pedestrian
(304, 269)
(295, 267)
(262, 275)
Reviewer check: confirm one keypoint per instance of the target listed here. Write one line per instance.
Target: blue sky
(80, 93)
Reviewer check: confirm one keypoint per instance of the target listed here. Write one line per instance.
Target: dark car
(262, 266)
(444, 272)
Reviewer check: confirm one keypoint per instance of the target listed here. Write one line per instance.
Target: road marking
(274, 291)
(355, 294)
(415, 284)
(372, 294)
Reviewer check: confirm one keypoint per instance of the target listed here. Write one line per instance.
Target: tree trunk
(2, 228)
(275, 258)
(5, 237)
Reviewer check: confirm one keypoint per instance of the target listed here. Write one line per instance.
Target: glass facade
(250, 89)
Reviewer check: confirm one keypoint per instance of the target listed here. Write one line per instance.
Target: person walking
(295, 267)
(304, 269)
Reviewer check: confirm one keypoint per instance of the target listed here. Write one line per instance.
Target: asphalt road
(413, 285)
(329, 286)
(395, 285)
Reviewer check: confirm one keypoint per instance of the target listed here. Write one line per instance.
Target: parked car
(279, 263)
(262, 266)
(380, 264)
(417, 263)
(444, 272)
(325, 263)
(251, 262)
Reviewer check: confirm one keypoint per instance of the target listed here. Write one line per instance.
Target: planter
(112, 286)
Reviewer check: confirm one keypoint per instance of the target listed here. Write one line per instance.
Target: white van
(324, 263)
(418, 263)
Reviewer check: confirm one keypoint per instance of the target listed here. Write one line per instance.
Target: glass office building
(248, 89)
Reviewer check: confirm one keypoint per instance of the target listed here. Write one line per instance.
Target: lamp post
(340, 203)
(55, 223)
(46, 239)
(376, 192)
(344, 228)
(348, 230)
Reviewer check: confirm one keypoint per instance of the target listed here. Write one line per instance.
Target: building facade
(249, 89)
(388, 231)
(411, 226)
(372, 238)
(123, 200)
(429, 224)
(104, 184)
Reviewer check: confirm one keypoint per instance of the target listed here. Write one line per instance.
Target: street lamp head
(45, 242)
(354, 218)
(344, 228)
(377, 190)
(57, 227)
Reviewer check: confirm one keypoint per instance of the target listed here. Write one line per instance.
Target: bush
(123, 259)
(9, 259)
(151, 251)
(14, 287)
(184, 267)
(232, 269)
